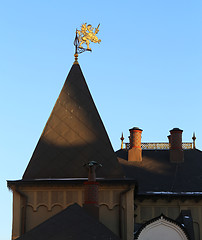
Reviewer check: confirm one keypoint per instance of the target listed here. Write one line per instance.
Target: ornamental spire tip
(84, 36)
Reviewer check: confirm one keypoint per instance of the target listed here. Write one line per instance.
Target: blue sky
(146, 72)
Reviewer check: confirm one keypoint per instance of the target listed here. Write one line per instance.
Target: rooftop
(155, 174)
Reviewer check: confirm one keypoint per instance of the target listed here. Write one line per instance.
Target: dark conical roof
(74, 134)
(71, 223)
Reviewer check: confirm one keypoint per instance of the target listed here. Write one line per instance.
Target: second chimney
(91, 190)
(135, 151)
(176, 151)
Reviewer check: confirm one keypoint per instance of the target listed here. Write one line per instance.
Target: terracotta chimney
(176, 151)
(135, 151)
(91, 191)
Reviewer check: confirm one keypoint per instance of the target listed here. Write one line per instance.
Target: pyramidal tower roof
(74, 135)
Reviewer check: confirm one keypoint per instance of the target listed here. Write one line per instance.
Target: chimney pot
(175, 140)
(135, 137)
(135, 151)
(91, 190)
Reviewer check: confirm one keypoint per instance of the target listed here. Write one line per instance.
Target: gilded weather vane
(86, 35)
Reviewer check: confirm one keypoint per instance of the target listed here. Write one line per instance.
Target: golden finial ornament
(76, 58)
(86, 35)
(122, 138)
(194, 139)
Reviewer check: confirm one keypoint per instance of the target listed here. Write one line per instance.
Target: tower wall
(44, 202)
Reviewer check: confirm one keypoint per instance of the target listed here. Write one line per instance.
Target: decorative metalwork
(122, 138)
(187, 146)
(155, 145)
(160, 146)
(92, 165)
(76, 44)
(85, 36)
(194, 141)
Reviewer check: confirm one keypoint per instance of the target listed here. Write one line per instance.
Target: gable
(71, 223)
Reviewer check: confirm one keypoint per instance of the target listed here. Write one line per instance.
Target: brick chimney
(176, 151)
(91, 191)
(135, 151)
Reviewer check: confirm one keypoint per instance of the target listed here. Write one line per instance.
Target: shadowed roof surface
(156, 174)
(73, 223)
(74, 134)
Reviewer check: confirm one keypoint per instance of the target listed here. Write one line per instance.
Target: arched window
(162, 226)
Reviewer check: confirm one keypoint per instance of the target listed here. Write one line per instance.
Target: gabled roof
(156, 175)
(71, 223)
(74, 134)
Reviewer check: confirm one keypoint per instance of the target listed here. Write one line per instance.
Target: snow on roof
(174, 193)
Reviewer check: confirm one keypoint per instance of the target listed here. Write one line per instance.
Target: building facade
(142, 191)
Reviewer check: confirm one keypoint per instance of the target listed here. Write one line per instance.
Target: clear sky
(146, 72)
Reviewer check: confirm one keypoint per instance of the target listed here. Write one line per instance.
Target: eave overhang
(68, 181)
